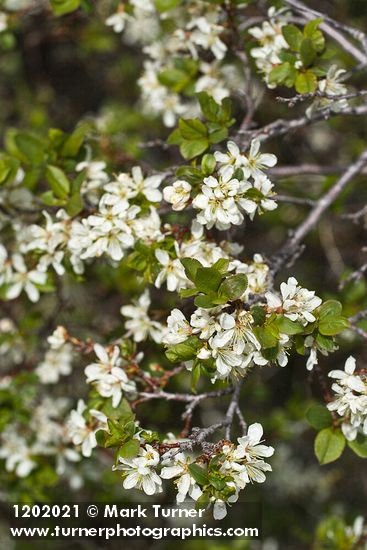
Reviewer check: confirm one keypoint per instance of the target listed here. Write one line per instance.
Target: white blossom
(350, 400)
(83, 433)
(255, 162)
(172, 271)
(179, 328)
(140, 325)
(140, 473)
(56, 363)
(22, 279)
(178, 194)
(296, 303)
(184, 482)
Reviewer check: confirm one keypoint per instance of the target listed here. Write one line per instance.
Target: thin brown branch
(292, 244)
(282, 126)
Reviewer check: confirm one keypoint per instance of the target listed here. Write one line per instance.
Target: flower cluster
(331, 85)
(140, 326)
(116, 225)
(228, 338)
(272, 43)
(18, 277)
(56, 363)
(82, 425)
(274, 53)
(296, 303)
(47, 436)
(174, 69)
(107, 376)
(350, 400)
(230, 469)
(111, 230)
(239, 186)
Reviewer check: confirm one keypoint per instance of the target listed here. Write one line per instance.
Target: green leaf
(203, 501)
(312, 32)
(331, 321)
(359, 446)
(204, 301)
(195, 375)
(194, 148)
(270, 353)
(207, 279)
(129, 449)
(74, 205)
(259, 315)
(199, 474)
(329, 445)
(184, 351)
(331, 326)
(306, 82)
(265, 337)
(128, 428)
(234, 286)
(175, 137)
(319, 417)
(191, 266)
(175, 79)
(58, 181)
(191, 174)
(8, 169)
(279, 73)
(218, 482)
(215, 112)
(208, 164)
(188, 292)
(165, 5)
(221, 265)
(218, 135)
(121, 413)
(330, 308)
(192, 129)
(74, 141)
(308, 53)
(293, 36)
(326, 342)
(116, 435)
(31, 147)
(286, 326)
(61, 7)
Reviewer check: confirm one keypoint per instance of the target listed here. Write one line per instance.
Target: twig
(291, 101)
(295, 200)
(184, 397)
(360, 316)
(355, 276)
(241, 420)
(292, 244)
(282, 126)
(310, 169)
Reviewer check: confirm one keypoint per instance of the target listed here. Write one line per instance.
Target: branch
(295, 200)
(199, 435)
(355, 276)
(183, 397)
(291, 101)
(310, 169)
(360, 316)
(293, 243)
(282, 126)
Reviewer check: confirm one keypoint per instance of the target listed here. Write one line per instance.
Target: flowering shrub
(130, 280)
